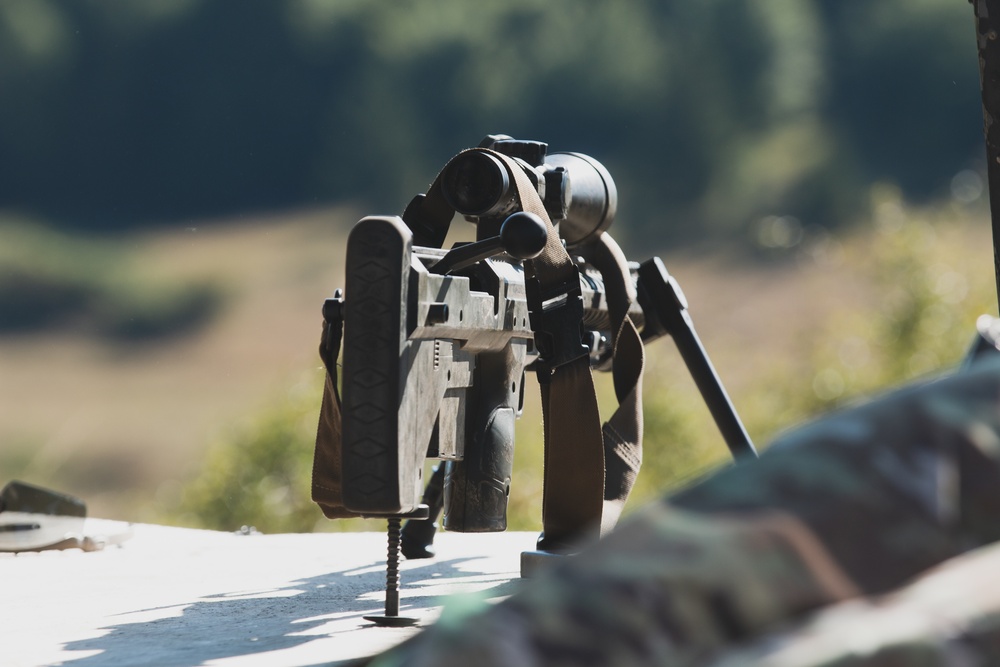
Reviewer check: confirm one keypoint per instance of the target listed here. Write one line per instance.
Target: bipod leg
(665, 298)
(418, 534)
(392, 617)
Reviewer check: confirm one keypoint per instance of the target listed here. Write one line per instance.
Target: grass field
(124, 424)
(127, 426)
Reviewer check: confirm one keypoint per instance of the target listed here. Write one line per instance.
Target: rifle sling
(623, 431)
(589, 469)
(573, 473)
(327, 473)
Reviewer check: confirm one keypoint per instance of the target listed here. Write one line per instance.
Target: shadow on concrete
(256, 622)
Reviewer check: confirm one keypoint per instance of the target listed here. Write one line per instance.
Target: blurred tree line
(710, 114)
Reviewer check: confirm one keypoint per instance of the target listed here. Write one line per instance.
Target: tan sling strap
(623, 431)
(327, 480)
(589, 469)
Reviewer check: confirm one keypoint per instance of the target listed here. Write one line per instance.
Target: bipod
(661, 297)
(417, 536)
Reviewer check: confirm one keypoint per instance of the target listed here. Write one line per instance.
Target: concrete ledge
(180, 597)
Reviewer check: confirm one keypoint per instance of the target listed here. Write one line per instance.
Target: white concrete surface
(178, 597)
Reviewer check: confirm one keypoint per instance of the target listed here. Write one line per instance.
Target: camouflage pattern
(854, 505)
(949, 617)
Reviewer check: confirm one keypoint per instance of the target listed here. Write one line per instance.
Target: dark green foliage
(258, 475)
(56, 281)
(709, 113)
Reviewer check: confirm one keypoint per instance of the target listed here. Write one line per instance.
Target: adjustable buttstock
(393, 387)
(377, 263)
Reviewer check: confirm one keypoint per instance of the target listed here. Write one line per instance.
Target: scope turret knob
(491, 139)
(532, 152)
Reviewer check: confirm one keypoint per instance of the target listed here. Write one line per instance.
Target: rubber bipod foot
(392, 621)
(415, 549)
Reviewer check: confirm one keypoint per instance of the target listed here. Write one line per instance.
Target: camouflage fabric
(949, 617)
(853, 505)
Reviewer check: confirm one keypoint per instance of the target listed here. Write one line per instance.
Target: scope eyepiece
(578, 192)
(475, 183)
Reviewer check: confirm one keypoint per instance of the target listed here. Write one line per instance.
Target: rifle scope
(578, 192)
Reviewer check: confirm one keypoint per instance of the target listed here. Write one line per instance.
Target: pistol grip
(476, 488)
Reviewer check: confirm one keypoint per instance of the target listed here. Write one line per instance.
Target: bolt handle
(523, 235)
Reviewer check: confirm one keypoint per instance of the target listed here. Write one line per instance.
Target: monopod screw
(392, 570)
(392, 617)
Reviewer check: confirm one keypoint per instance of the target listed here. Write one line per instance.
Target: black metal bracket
(556, 314)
